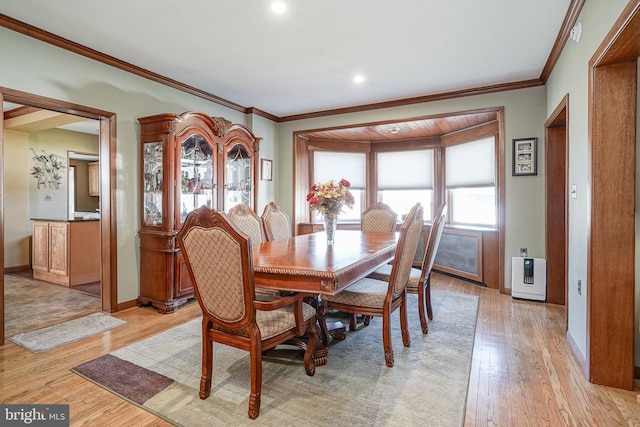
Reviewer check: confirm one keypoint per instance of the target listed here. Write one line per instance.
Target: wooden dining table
(307, 264)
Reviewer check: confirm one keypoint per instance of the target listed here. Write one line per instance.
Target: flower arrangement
(329, 198)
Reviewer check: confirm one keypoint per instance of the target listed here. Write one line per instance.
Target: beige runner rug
(426, 387)
(63, 333)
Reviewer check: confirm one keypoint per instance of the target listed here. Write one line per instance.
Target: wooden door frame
(556, 196)
(612, 141)
(108, 224)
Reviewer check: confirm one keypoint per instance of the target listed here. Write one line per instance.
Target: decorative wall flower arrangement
(47, 170)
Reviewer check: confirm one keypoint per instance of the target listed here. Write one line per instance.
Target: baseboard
(17, 268)
(125, 305)
(580, 360)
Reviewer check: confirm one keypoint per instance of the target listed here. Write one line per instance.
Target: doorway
(107, 152)
(556, 220)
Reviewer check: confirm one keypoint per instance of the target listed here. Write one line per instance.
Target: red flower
(351, 198)
(345, 183)
(310, 195)
(314, 201)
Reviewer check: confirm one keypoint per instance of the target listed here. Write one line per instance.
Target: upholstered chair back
(434, 239)
(406, 249)
(247, 221)
(276, 222)
(378, 217)
(219, 258)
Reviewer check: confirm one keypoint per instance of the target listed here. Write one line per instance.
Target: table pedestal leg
(332, 330)
(336, 330)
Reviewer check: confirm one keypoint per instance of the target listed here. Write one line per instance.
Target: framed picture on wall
(266, 170)
(525, 156)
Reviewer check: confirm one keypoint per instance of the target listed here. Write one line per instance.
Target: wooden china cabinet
(188, 160)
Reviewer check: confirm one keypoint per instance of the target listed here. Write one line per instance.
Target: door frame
(556, 210)
(108, 224)
(612, 118)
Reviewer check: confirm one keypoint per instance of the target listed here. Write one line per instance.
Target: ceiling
(31, 119)
(304, 60)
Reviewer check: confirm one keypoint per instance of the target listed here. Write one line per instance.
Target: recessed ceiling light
(358, 78)
(394, 129)
(278, 7)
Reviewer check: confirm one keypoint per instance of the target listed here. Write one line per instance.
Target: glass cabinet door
(152, 166)
(196, 175)
(238, 178)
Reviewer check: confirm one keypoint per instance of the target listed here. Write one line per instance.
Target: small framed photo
(266, 170)
(525, 156)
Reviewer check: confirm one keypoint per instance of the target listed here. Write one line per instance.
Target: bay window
(405, 178)
(461, 169)
(334, 165)
(470, 182)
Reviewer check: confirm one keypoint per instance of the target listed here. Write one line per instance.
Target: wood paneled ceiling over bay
(405, 130)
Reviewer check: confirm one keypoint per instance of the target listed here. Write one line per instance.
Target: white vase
(330, 225)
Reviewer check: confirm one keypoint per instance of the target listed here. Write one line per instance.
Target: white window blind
(338, 165)
(471, 164)
(405, 170)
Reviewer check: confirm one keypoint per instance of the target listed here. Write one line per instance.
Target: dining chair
(420, 278)
(276, 222)
(378, 217)
(247, 221)
(372, 297)
(220, 263)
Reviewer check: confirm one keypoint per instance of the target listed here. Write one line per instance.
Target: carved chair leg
(404, 323)
(421, 309)
(386, 339)
(353, 322)
(256, 381)
(207, 364)
(428, 297)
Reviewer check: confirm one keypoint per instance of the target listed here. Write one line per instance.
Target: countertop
(65, 220)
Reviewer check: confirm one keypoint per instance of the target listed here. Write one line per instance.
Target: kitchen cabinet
(187, 161)
(94, 178)
(66, 252)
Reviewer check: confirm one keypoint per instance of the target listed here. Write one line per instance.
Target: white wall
(570, 76)
(35, 67)
(524, 117)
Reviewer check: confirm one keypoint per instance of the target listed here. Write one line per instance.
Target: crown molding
(563, 35)
(420, 99)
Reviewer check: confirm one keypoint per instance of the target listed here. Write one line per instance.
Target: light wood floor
(522, 372)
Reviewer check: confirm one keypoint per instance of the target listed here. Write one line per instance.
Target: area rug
(426, 387)
(63, 333)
